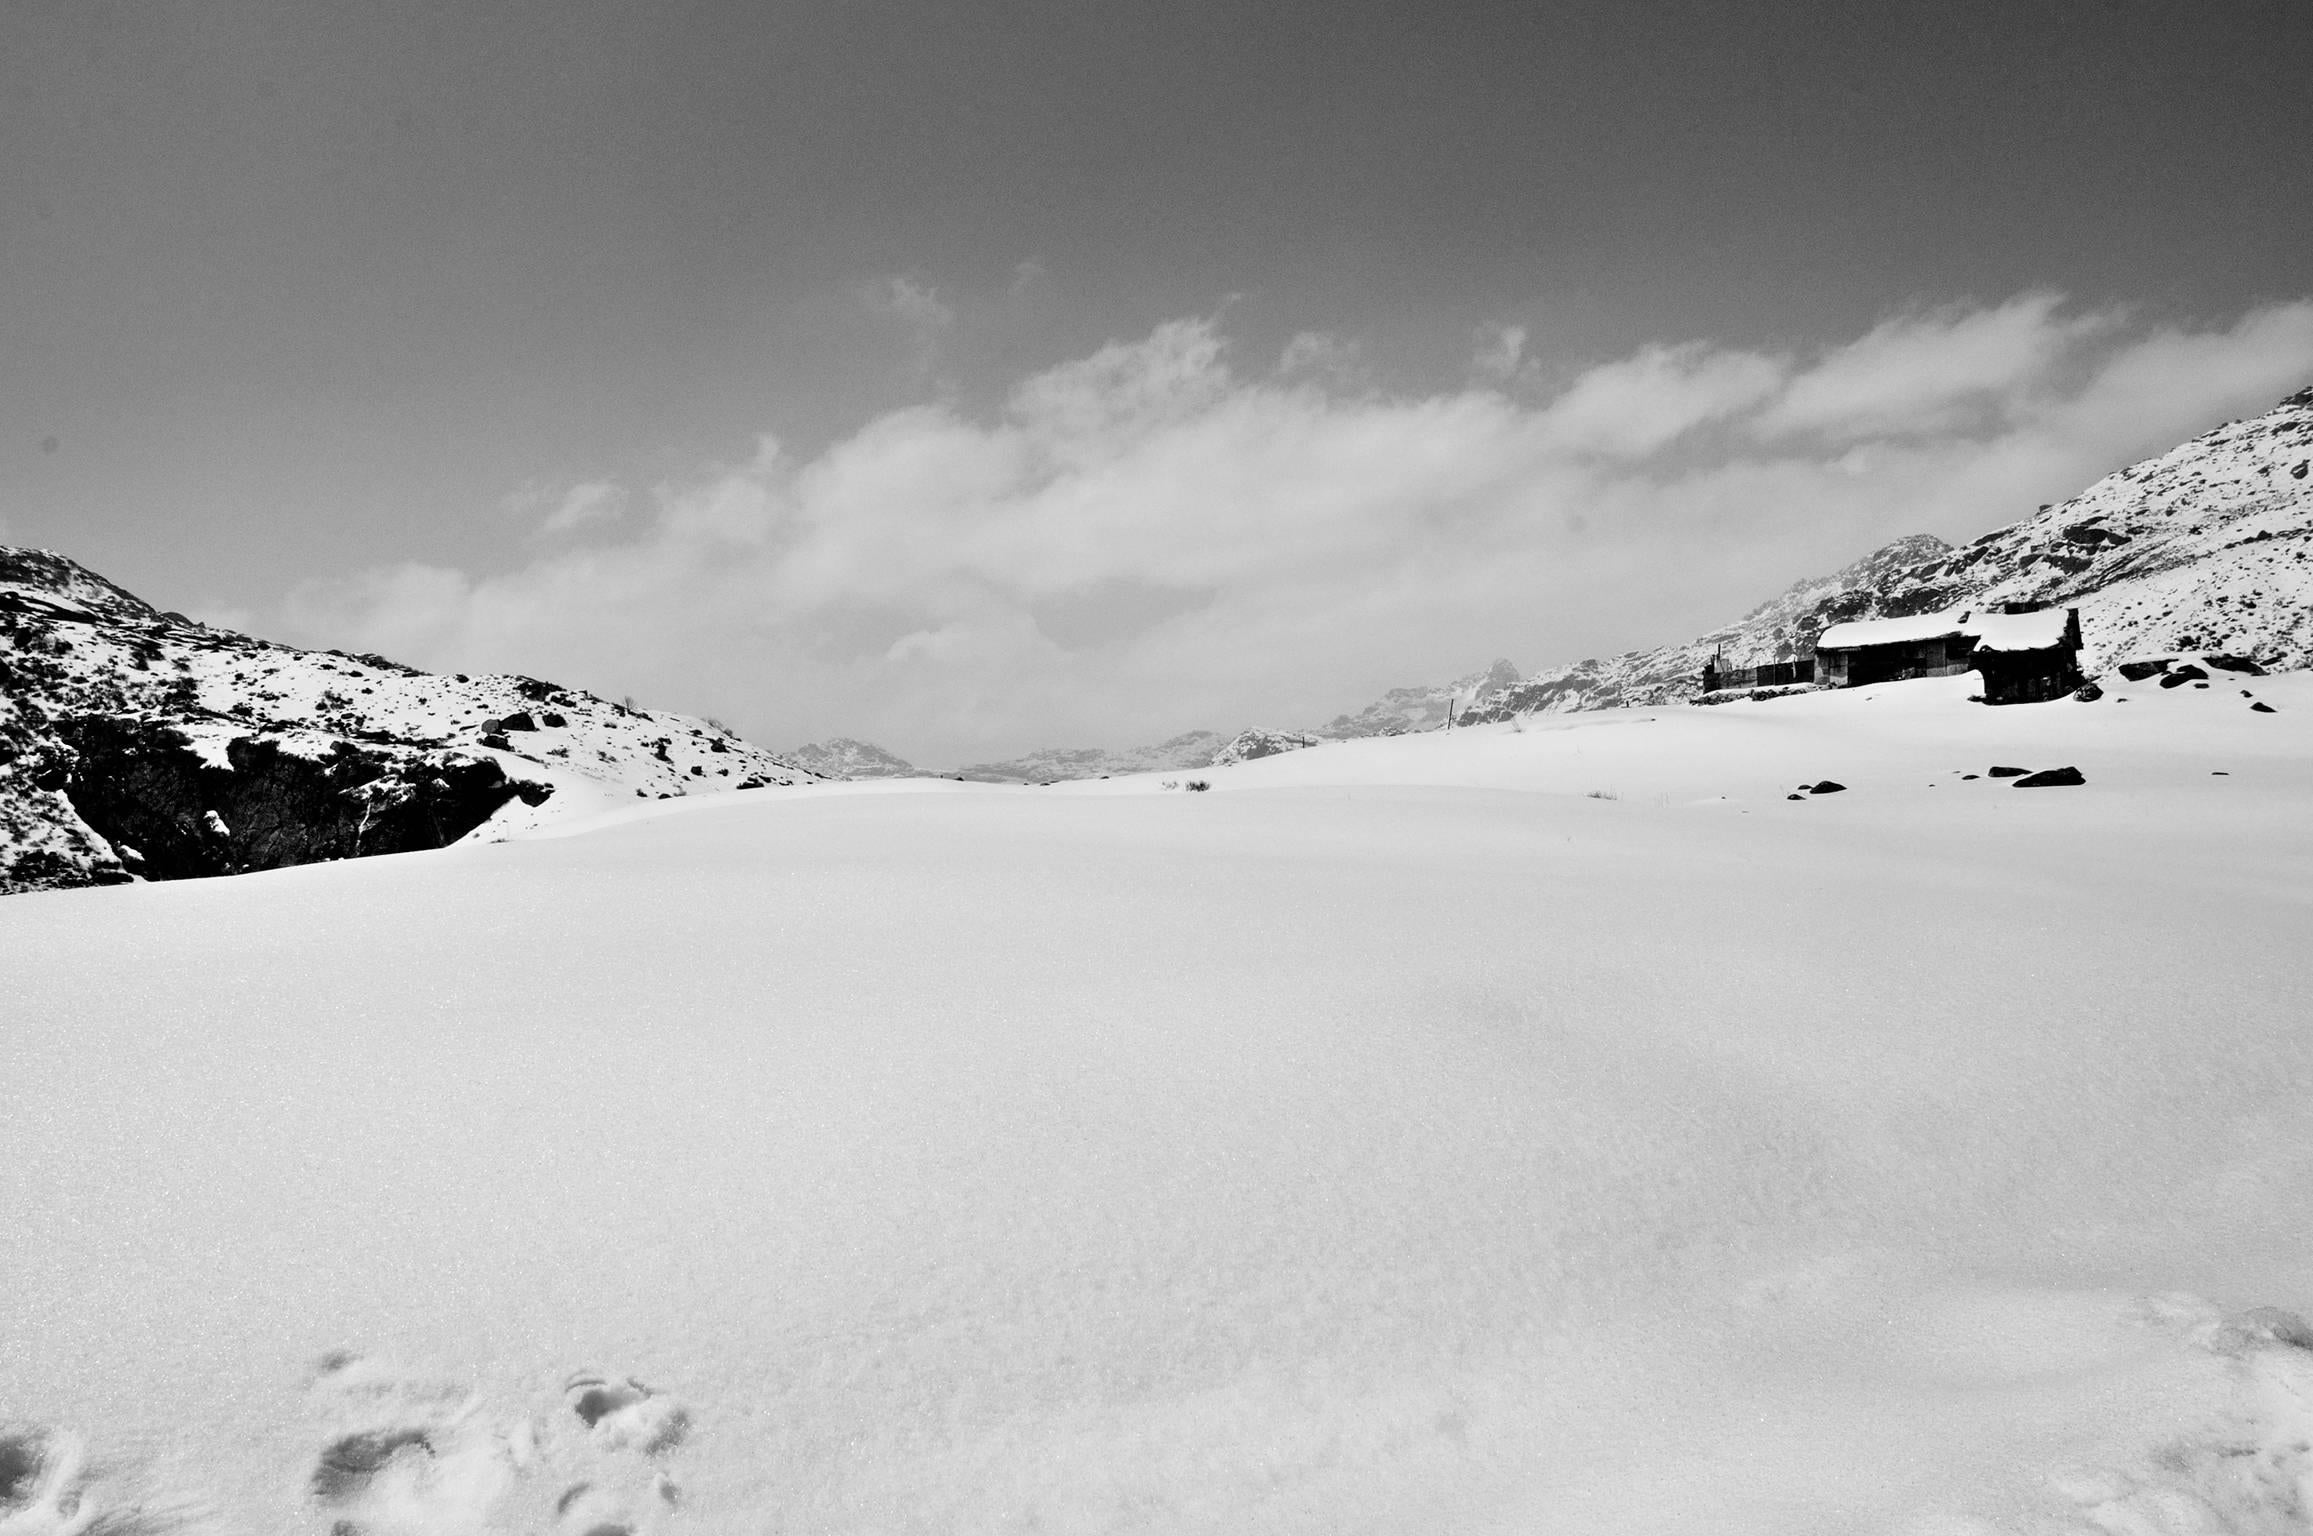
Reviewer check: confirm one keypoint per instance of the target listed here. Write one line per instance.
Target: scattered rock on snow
(2178, 676)
(2049, 778)
(1827, 787)
(2088, 693)
(2262, 708)
(2009, 773)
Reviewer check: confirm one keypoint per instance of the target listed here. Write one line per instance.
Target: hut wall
(2028, 677)
(1943, 656)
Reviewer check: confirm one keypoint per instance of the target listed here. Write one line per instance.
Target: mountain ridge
(2204, 547)
(140, 744)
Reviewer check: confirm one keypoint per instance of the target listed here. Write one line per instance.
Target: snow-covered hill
(1421, 709)
(1191, 749)
(841, 757)
(2208, 547)
(140, 744)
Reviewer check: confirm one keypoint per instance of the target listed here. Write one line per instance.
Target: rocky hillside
(138, 744)
(1191, 749)
(1419, 709)
(2205, 548)
(840, 757)
(2208, 547)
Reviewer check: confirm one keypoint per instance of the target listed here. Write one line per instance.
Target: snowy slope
(2208, 547)
(1394, 1138)
(153, 724)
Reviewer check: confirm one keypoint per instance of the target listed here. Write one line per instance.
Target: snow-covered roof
(1925, 626)
(2035, 631)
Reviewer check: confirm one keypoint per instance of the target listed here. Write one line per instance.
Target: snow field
(1371, 1144)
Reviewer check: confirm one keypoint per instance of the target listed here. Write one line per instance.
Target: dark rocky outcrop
(2008, 773)
(2049, 778)
(174, 812)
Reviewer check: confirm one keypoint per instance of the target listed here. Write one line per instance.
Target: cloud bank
(1152, 539)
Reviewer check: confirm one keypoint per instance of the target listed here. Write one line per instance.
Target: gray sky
(1132, 367)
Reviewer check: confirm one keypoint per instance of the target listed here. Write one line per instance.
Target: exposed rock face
(1246, 746)
(172, 811)
(140, 744)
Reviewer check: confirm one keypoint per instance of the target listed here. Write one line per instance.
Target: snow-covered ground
(1551, 1129)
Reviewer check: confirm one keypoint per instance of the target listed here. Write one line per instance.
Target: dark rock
(1965, 776)
(2009, 773)
(141, 782)
(518, 721)
(497, 741)
(2262, 708)
(2187, 673)
(2049, 778)
(1827, 787)
(1794, 797)
(2088, 693)
(2235, 664)
(552, 721)
(2138, 671)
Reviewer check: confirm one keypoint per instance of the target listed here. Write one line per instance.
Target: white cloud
(1217, 550)
(1632, 408)
(917, 303)
(1324, 358)
(1500, 352)
(1922, 374)
(582, 506)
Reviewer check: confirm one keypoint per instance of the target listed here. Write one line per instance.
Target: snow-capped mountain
(137, 743)
(2208, 547)
(1420, 709)
(1190, 749)
(841, 757)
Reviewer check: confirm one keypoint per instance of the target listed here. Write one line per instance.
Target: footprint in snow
(2249, 1467)
(406, 1455)
(627, 1429)
(50, 1487)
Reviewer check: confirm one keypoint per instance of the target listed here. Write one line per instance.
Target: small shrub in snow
(1199, 785)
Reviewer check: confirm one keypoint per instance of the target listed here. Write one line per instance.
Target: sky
(973, 378)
